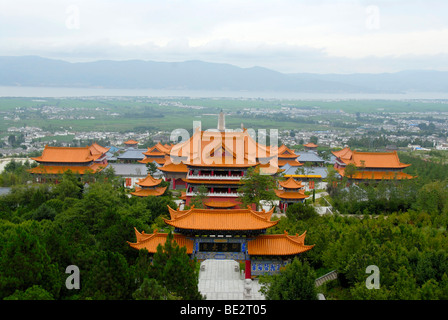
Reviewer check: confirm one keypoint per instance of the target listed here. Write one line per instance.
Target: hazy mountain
(198, 75)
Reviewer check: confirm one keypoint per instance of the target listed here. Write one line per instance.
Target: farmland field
(144, 113)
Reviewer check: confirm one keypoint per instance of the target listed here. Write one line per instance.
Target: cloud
(285, 35)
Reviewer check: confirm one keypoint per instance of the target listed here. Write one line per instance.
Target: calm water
(57, 92)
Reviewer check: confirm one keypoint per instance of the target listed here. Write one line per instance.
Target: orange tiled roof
(370, 159)
(291, 195)
(310, 145)
(171, 167)
(291, 183)
(377, 175)
(142, 192)
(220, 204)
(233, 143)
(285, 152)
(43, 169)
(158, 160)
(95, 148)
(158, 150)
(149, 181)
(66, 154)
(150, 242)
(278, 244)
(220, 219)
(131, 142)
(292, 163)
(345, 153)
(377, 160)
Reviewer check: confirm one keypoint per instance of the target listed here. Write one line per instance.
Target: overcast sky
(333, 36)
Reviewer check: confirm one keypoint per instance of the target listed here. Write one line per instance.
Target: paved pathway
(218, 280)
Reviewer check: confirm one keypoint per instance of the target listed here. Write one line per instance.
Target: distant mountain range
(198, 75)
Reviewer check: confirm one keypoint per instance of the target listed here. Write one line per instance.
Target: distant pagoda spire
(221, 121)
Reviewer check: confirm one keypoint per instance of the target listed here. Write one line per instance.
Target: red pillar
(174, 184)
(248, 269)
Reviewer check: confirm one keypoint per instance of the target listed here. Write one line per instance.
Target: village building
(370, 166)
(235, 234)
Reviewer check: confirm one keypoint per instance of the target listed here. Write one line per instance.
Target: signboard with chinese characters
(265, 267)
(219, 247)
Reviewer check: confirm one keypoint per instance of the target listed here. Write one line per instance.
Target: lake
(60, 92)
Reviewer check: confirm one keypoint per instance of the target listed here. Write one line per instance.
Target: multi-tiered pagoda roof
(149, 187)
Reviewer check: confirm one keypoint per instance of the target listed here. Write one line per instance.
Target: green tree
(198, 200)
(24, 262)
(110, 278)
(152, 168)
(44, 212)
(300, 211)
(296, 281)
(152, 290)
(174, 270)
(350, 170)
(32, 293)
(257, 187)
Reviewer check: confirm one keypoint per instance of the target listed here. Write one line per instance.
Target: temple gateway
(234, 234)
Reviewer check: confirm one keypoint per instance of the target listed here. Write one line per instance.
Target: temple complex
(370, 166)
(236, 234)
(218, 160)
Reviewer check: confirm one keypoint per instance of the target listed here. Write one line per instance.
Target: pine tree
(174, 270)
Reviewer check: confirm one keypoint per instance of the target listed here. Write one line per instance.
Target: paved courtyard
(222, 280)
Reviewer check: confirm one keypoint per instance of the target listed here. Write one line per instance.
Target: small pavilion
(290, 192)
(149, 187)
